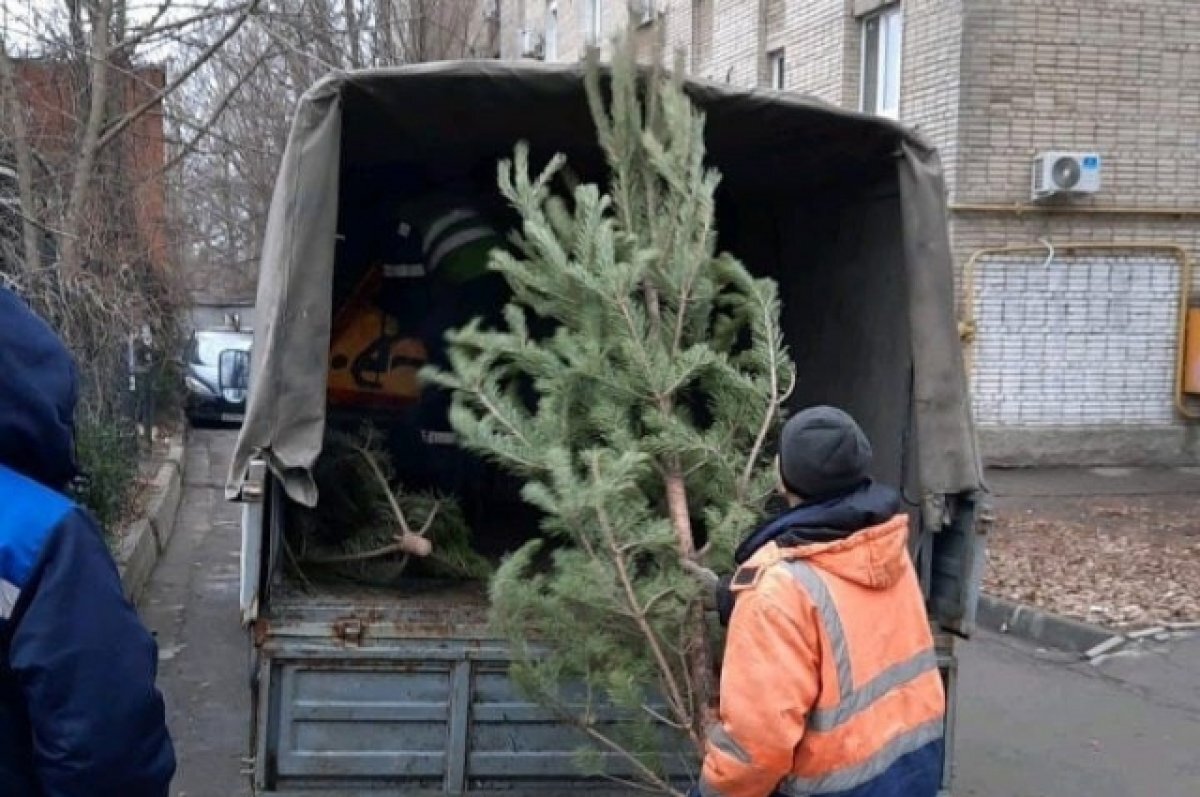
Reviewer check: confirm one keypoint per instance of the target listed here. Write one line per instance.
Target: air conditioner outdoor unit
(532, 45)
(1065, 173)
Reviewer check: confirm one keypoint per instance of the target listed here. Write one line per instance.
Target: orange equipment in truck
(372, 363)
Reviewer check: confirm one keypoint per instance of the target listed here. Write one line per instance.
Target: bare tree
(83, 89)
(23, 154)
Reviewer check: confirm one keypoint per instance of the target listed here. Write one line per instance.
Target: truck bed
(413, 609)
(368, 689)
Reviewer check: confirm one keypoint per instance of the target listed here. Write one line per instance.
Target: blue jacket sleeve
(87, 667)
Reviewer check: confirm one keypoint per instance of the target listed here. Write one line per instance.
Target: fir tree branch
(361, 556)
(291, 555)
(649, 605)
(689, 283)
(407, 541)
(622, 303)
(645, 771)
(686, 637)
(666, 672)
(584, 725)
(772, 407)
(632, 784)
(658, 717)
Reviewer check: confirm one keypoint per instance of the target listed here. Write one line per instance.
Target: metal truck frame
(358, 692)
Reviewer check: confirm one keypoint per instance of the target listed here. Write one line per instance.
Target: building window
(702, 33)
(777, 69)
(882, 42)
(551, 50)
(592, 22)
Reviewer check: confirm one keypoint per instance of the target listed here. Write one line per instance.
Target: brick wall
(1121, 79)
(532, 15)
(1117, 76)
(819, 38)
(991, 83)
(931, 77)
(1085, 340)
(50, 92)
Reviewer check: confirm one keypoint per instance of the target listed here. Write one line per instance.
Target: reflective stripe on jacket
(457, 244)
(830, 683)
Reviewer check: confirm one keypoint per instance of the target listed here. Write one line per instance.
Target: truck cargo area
(367, 690)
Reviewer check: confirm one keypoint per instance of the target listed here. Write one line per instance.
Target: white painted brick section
(1083, 341)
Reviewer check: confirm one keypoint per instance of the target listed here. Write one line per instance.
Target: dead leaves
(1117, 561)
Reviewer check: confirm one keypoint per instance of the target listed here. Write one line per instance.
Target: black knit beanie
(823, 453)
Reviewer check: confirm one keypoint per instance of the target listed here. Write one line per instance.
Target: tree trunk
(10, 103)
(697, 654)
(72, 246)
(354, 35)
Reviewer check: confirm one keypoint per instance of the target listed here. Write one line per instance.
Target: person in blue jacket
(79, 712)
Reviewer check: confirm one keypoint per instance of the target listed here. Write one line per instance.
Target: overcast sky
(27, 25)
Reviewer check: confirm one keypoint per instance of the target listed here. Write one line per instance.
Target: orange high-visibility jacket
(830, 683)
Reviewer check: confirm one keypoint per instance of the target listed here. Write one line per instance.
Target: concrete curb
(1040, 627)
(147, 538)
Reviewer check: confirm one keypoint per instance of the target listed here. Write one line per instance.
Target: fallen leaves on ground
(1123, 562)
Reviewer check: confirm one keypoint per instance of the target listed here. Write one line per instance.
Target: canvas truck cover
(769, 146)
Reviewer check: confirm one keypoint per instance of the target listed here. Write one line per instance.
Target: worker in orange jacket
(830, 683)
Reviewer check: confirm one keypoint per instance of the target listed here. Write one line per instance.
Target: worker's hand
(702, 574)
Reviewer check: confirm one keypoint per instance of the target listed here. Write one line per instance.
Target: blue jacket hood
(38, 390)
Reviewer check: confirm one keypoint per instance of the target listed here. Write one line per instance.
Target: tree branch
(400, 546)
(667, 674)
(153, 29)
(77, 199)
(409, 541)
(588, 728)
(129, 118)
(769, 416)
(12, 105)
(203, 130)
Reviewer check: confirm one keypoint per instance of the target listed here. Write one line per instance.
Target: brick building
(1074, 335)
(131, 183)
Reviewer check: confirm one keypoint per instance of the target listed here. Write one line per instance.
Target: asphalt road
(1031, 724)
(1040, 724)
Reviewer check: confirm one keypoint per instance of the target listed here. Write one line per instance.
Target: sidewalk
(1040, 723)
(1119, 547)
(192, 605)
(1062, 483)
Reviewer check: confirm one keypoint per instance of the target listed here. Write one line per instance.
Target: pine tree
(645, 447)
(368, 529)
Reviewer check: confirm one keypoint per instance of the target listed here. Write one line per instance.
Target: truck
(361, 691)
